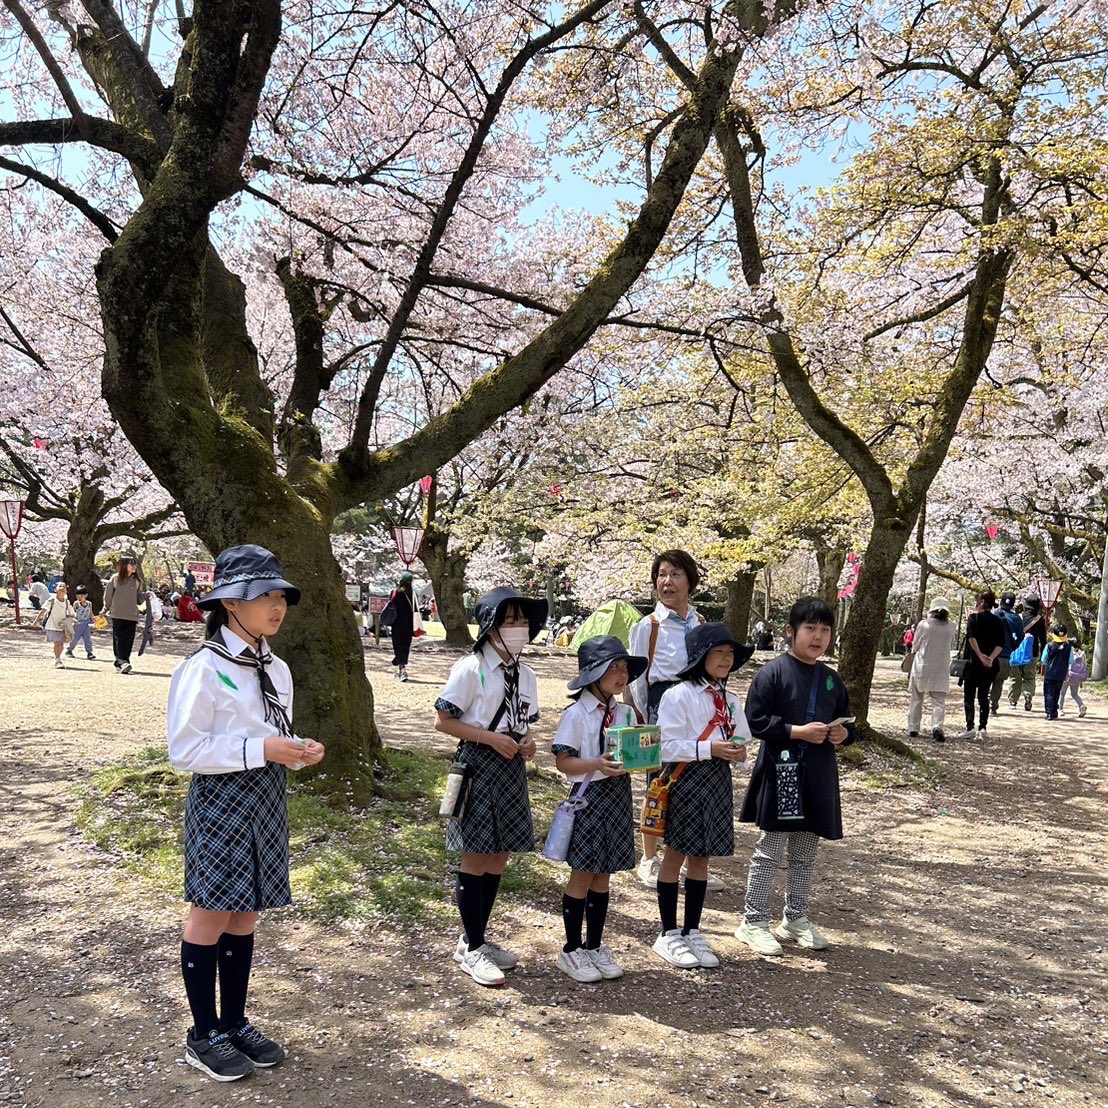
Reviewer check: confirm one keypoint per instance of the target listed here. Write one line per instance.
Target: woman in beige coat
(932, 644)
(121, 601)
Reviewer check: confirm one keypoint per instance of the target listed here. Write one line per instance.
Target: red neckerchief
(722, 716)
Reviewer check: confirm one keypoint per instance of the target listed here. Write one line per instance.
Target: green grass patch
(385, 862)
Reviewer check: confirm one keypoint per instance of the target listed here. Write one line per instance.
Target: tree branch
(96, 217)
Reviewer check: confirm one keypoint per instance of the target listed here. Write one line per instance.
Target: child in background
(53, 616)
(798, 708)
(1056, 658)
(704, 731)
(603, 839)
(1078, 675)
(82, 623)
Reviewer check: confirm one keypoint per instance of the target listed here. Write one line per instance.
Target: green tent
(616, 617)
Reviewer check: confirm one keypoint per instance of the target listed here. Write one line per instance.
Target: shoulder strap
(653, 643)
(810, 714)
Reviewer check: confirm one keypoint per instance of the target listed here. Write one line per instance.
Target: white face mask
(514, 639)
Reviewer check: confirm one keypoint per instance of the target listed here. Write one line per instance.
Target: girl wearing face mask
(488, 704)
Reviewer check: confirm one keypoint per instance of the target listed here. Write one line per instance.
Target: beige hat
(939, 604)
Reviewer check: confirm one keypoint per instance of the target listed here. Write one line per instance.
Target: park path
(968, 965)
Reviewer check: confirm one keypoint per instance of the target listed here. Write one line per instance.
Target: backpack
(1013, 632)
(1079, 669)
(1024, 653)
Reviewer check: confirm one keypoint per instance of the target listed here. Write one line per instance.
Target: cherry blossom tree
(386, 146)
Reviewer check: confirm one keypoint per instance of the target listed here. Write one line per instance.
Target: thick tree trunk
(1100, 650)
(862, 634)
(740, 598)
(830, 562)
(79, 563)
(447, 572)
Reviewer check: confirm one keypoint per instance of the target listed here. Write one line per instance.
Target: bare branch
(96, 217)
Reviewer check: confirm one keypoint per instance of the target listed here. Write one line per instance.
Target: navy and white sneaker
(260, 1050)
(217, 1056)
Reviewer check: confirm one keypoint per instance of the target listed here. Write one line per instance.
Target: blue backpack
(1024, 654)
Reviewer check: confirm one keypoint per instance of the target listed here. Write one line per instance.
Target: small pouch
(556, 847)
(788, 769)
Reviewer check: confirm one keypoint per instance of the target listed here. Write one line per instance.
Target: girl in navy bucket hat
(603, 838)
(704, 731)
(488, 704)
(229, 722)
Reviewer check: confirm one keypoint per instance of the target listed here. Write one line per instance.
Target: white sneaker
(715, 885)
(481, 967)
(578, 964)
(968, 733)
(647, 871)
(671, 946)
(801, 932)
(705, 955)
(1081, 712)
(602, 958)
(59, 664)
(982, 733)
(759, 938)
(126, 667)
(501, 958)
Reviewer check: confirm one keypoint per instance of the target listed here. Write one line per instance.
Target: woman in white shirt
(929, 676)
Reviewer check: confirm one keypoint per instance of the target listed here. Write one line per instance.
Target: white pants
(915, 707)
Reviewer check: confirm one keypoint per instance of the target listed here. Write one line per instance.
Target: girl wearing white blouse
(704, 730)
(603, 838)
(230, 707)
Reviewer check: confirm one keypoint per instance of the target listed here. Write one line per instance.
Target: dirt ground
(967, 922)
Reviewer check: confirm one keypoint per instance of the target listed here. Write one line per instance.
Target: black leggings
(976, 683)
(401, 646)
(123, 640)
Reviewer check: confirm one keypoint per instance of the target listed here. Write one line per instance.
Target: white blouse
(216, 716)
(579, 728)
(685, 712)
(474, 690)
(670, 653)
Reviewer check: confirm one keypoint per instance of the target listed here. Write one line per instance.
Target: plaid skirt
(497, 816)
(237, 840)
(603, 838)
(701, 818)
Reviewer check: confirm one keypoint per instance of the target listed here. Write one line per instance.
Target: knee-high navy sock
(573, 915)
(695, 892)
(470, 892)
(596, 912)
(236, 952)
(667, 905)
(492, 887)
(198, 970)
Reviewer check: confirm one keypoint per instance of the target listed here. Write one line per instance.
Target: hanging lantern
(39, 444)
(992, 530)
(11, 519)
(409, 542)
(425, 485)
(555, 491)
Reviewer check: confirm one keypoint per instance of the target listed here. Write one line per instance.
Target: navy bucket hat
(595, 656)
(701, 639)
(488, 610)
(245, 573)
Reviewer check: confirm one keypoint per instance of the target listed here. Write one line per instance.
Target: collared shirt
(474, 690)
(216, 715)
(670, 654)
(579, 728)
(685, 712)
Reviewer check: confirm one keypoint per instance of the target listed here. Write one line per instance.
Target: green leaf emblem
(227, 681)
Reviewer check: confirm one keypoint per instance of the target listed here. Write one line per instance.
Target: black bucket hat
(491, 606)
(595, 656)
(245, 573)
(701, 639)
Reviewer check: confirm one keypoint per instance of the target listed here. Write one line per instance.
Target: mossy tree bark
(446, 568)
(830, 562)
(181, 374)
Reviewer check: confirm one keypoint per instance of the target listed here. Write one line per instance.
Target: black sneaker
(217, 1056)
(260, 1050)
(937, 735)
(913, 734)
